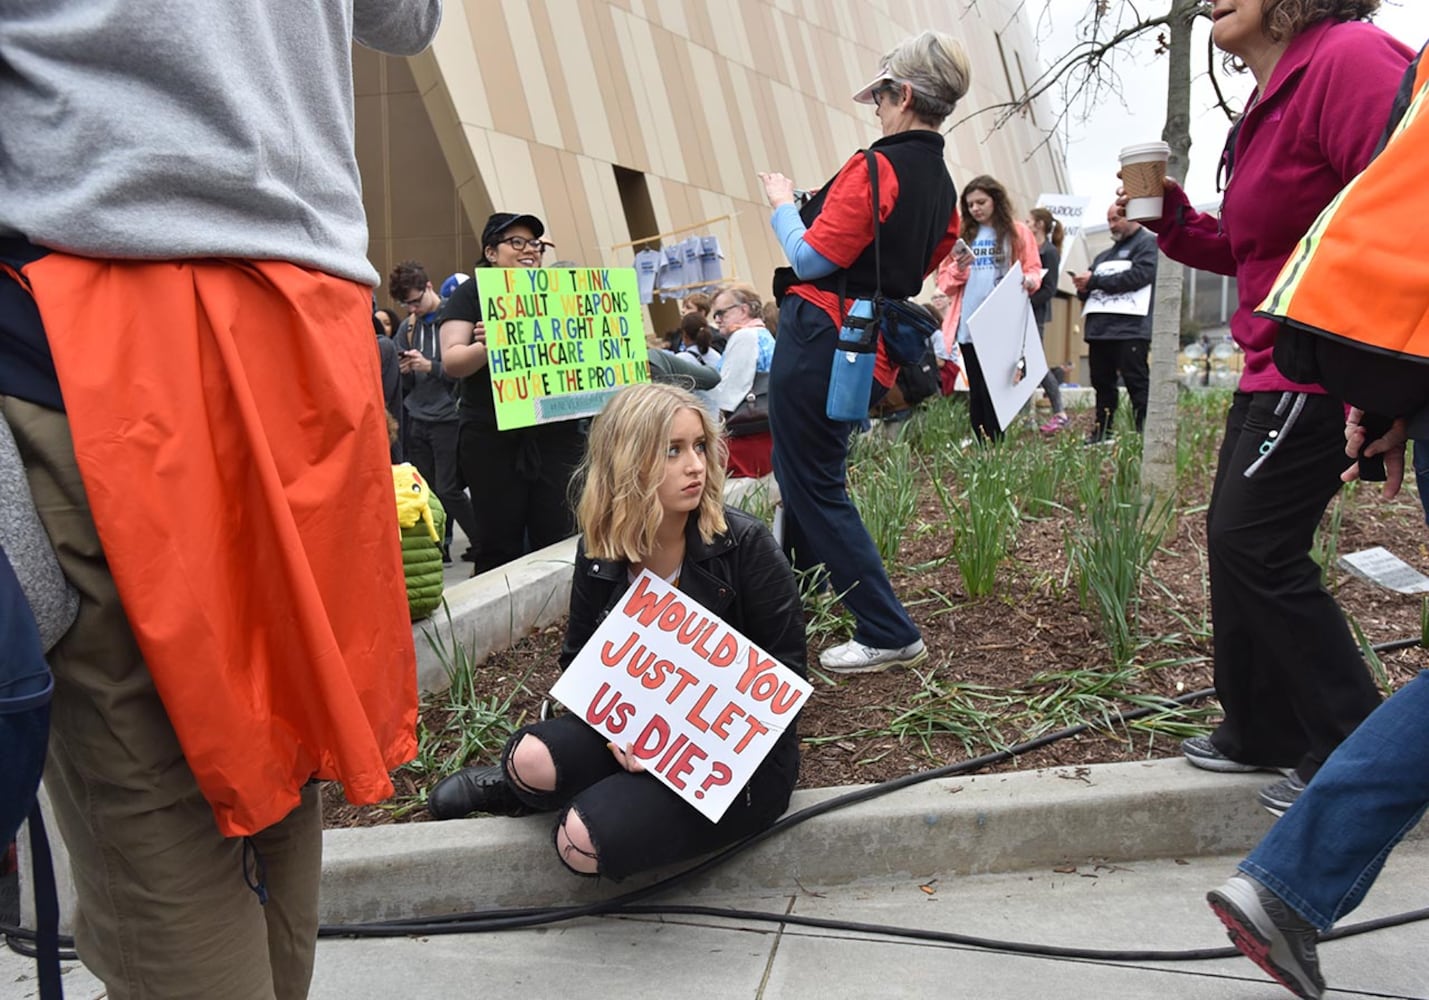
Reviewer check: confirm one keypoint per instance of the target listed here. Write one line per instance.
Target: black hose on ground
(630, 903)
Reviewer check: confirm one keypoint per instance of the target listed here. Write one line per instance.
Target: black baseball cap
(502, 221)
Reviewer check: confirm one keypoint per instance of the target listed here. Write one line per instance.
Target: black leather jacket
(741, 575)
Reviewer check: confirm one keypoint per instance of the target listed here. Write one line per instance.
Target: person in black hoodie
(829, 243)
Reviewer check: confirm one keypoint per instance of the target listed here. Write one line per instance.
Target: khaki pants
(164, 908)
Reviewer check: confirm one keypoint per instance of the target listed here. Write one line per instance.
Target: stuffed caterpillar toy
(421, 522)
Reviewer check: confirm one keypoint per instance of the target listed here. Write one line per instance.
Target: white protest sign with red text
(699, 703)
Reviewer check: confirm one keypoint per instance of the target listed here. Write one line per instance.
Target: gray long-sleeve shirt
(167, 129)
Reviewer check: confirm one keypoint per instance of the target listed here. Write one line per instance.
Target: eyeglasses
(415, 303)
(519, 243)
(891, 88)
(718, 314)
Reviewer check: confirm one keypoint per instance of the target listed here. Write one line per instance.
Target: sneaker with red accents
(1269, 933)
(1058, 422)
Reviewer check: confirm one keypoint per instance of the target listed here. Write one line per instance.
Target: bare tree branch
(1085, 56)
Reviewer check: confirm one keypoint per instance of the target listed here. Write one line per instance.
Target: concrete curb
(1113, 813)
(492, 611)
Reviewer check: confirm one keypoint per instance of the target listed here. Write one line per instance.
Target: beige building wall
(616, 119)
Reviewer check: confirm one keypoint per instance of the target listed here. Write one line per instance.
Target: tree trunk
(1158, 463)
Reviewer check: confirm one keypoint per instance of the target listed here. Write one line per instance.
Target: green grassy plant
(971, 713)
(827, 620)
(1110, 549)
(1372, 659)
(982, 519)
(477, 724)
(1046, 470)
(984, 718)
(938, 426)
(884, 488)
(1200, 421)
(758, 501)
(1325, 546)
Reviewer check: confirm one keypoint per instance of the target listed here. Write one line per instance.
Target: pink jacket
(952, 281)
(1315, 128)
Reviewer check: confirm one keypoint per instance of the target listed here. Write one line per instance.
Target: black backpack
(25, 690)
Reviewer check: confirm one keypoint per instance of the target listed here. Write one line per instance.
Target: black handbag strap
(877, 227)
(47, 910)
(877, 253)
(759, 387)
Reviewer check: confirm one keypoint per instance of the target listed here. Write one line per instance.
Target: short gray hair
(936, 67)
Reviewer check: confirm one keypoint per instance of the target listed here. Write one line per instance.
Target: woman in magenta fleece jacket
(1288, 673)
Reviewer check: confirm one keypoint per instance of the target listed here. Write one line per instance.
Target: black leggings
(635, 822)
(980, 409)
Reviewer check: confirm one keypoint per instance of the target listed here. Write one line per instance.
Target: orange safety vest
(228, 425)
(1355, 277)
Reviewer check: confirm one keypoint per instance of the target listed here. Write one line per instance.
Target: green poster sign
(560, 341)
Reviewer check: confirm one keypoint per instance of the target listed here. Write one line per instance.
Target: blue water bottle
(851, 380)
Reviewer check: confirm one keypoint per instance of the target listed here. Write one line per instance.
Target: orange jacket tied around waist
(1351, 279)
(228, 424)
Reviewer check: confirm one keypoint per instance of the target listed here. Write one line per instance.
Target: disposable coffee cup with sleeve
(1143, 176)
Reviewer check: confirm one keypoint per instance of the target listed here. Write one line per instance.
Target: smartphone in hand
(1372, 466)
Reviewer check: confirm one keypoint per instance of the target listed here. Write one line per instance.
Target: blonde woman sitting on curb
(653, 482)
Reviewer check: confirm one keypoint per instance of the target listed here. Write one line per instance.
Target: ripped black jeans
(635, 822)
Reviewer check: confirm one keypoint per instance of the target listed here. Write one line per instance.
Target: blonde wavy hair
(619, 509)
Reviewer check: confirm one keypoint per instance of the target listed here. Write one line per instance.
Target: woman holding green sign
(652, 499)
(519, 479)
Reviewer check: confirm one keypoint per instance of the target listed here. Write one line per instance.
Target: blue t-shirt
(988, 265)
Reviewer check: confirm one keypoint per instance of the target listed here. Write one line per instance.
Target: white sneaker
(856, 658)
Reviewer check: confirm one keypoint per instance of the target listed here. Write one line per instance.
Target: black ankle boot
(475, 789)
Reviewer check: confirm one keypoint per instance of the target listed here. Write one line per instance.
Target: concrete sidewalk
(1115, 856)
(999, 822)
(1140, 905)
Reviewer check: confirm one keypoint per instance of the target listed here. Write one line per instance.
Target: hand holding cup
(1143, 177)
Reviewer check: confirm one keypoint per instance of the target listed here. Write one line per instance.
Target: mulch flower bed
(1024, 660)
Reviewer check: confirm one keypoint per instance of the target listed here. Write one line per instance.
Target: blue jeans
(1326, 851)
(821, 524)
